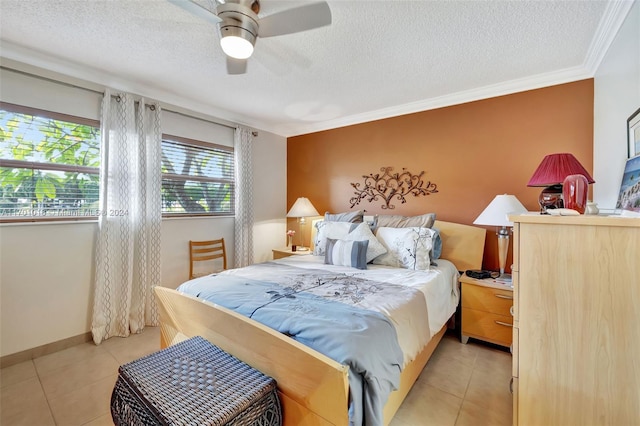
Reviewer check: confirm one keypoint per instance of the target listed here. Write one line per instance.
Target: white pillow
(406, 247)
(334, 230)
(363, 233)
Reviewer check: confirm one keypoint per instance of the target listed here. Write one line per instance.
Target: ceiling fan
(240, 25)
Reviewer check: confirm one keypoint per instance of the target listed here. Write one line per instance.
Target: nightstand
(286, 252)
(486, 311)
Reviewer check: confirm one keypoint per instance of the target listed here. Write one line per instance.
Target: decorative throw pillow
(346, 253)
(436, 243)
(406, 247)
(363, 232)
(396, 221)
(353, 217)
(325, 229)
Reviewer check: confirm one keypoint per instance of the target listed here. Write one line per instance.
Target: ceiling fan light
(236, 47)
(237, 42)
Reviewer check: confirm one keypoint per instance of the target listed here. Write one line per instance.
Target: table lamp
(496, 214)
(302, 209)
(551, 173)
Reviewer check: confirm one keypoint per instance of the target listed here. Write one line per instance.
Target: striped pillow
(346, 253)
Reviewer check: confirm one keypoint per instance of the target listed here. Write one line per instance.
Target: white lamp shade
(496, 213)
(302, 208)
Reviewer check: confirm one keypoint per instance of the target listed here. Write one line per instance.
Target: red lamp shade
(551, 173)
(555, 168)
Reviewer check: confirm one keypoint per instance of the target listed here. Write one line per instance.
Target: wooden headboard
(462, 245)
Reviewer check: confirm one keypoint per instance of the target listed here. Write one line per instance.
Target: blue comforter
(363, 340)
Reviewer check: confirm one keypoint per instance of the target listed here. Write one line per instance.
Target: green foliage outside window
(48, 166)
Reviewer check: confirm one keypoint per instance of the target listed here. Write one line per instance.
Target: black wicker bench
(193, 383)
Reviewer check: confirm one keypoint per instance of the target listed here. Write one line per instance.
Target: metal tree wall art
(387, 186)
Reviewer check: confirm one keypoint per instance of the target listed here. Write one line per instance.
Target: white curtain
(243, 140)
(127, 258)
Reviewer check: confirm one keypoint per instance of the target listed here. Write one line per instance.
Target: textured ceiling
(377, 59)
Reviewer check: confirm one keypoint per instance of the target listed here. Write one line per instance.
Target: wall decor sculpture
(387, 186)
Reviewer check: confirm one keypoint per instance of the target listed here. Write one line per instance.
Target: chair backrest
(206, 251)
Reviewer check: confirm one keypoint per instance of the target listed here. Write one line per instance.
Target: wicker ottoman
(193, 383)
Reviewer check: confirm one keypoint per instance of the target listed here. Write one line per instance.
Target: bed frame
(313, 388)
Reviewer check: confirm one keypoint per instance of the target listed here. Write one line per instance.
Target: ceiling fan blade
(296, 19)
(236, 66)
(197, 10)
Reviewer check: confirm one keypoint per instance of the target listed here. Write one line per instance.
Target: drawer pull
(506, 324)
(511, 385)
(502, 296)
(511, 310)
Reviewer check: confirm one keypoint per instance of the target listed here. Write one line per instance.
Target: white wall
(616, 97)
(46, 269)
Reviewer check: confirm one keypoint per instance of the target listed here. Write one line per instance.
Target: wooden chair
(206, 250)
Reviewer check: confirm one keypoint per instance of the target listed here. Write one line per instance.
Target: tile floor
(461, 385)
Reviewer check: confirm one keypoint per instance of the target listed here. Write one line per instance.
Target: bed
(313, 387)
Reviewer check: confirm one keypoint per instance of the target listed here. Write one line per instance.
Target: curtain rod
(75, 86)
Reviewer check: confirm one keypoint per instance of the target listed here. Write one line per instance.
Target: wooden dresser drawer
(487, 299)
(487, 326)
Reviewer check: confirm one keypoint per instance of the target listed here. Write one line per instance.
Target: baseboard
(47, 349)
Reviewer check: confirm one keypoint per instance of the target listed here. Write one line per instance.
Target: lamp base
(551, 198)
(504, 278)
(300, 248)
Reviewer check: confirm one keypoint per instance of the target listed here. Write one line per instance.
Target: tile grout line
(46, 397)
(466, 389)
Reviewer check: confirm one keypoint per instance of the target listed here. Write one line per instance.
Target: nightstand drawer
(487, 299)
(487, 326)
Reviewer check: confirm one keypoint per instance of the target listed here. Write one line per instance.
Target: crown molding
(610, 23)
(491, 91)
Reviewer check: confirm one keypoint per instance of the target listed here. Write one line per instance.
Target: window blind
(49, 164)
(197, 177)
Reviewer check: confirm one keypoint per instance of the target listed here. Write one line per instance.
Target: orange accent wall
(472, 152)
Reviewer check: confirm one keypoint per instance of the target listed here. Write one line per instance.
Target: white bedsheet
(439, 286)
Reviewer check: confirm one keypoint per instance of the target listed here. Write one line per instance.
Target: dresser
(576, 335)
(486, 307)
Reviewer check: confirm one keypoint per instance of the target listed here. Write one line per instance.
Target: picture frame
(629, 195)
(633, 134)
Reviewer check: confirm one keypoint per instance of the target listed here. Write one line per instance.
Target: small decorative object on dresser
(574, 192)
(592, 208)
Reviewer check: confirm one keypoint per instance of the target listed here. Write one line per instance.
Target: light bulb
(236, 47)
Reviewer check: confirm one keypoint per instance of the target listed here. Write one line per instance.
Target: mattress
(375, 321)
(415, 326)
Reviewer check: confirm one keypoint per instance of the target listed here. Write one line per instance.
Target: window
(50, 169)
(197, 178)
(49, 164)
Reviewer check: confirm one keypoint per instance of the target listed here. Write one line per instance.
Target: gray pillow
(346, 253)
(396, 221)
(436, 248)
(353, 217)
